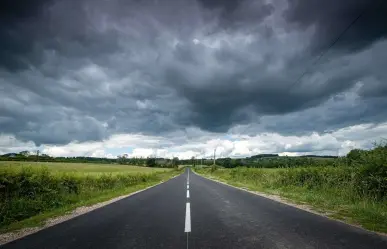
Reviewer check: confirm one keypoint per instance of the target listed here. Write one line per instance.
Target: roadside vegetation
(352, 188)
(32, 192)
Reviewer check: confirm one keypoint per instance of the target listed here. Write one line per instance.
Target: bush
(366, 177)
(356, 156)
(371, 180)
(151, 162)
(28, 192)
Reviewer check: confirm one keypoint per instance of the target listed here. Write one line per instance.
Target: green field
(32, 192)
(80, 167)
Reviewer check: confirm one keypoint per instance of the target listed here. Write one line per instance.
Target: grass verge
(31, 195)
(329, 191)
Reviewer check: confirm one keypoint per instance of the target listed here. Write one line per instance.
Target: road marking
(187, 218)
(187, 193)
(187, 186)
(10, 236)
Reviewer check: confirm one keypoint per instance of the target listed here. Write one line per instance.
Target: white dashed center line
(187, 228)
(187, 218)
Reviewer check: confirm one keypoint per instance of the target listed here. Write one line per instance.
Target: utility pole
(214, 155)
(37, 155)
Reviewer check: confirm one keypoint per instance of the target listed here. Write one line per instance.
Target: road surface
(190, 211)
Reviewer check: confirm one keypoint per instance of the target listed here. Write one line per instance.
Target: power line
(330, 46)
(325, 51)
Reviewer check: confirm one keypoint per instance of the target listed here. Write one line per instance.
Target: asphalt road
(208, 215)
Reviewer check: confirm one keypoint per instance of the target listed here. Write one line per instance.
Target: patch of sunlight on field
(81, 167)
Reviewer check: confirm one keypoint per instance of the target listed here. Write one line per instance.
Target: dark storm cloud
(84, 70)
(330, 18)
(28, 30)
(227, 6)
(16, 46)
(230, 96)
(239, 14)
(332, 116)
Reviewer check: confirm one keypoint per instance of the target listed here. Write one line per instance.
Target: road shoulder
(288, 202)
(20, 233)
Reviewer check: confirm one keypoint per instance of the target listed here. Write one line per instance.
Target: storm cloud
(85, 70)
(330, 18)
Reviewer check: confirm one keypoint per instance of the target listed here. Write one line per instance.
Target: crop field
(31, 192)
(80, 167)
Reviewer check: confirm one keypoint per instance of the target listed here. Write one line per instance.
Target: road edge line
(8, 237)
(261, 194)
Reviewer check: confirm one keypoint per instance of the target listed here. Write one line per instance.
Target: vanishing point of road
(190, 211)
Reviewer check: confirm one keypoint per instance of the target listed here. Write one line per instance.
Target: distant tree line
(267, 161)
(122, 159)
(34, 157)
(353, 158)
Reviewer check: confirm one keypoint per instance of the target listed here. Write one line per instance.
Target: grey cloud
(312, 147)
(338, 112)
(330, 18)
(228, 5)
(84, 70)
(63, 131)
(239, 14)
(219, 104)
(16, 36)
(28, 31)
(32, 118)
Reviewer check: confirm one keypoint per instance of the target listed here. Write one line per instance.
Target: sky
(182, 77)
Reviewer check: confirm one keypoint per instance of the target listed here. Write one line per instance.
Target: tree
(227, 162)
(122, 159)
(175, 162)
(150, 162)
(355, 156)
(25, 153)
(37, 155)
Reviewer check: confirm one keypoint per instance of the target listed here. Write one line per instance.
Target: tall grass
(28, 191)
(357, 193)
